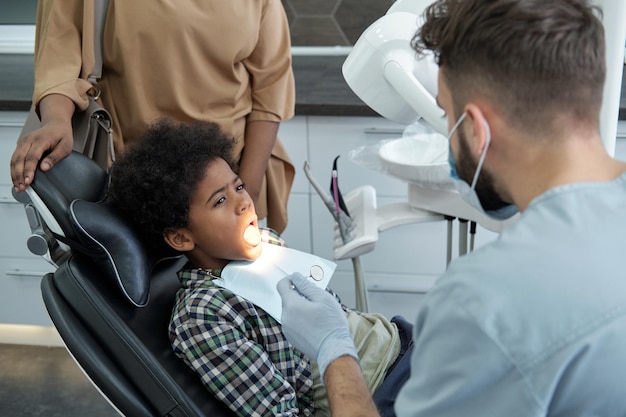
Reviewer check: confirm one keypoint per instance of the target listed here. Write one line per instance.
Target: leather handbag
(93, 136)
(92, 128)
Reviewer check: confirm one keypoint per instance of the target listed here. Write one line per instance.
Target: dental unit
(384, 72)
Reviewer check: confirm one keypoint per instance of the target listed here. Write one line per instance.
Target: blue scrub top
(533, 324)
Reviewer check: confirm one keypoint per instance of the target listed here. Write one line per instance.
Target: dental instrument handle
(343, 220)
(472, 234)
(325, 197)
(335, 191)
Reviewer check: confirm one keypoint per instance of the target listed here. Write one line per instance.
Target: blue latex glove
(314, 322)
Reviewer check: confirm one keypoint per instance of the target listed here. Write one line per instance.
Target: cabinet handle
(12, 124)
(8, 200)
(19, 273)
(382, 131)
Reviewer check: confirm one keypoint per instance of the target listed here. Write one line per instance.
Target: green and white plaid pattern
(238, 350)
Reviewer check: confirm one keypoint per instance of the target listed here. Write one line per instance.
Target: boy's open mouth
(251, 235)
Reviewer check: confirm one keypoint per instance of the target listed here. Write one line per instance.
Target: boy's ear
(179, 239)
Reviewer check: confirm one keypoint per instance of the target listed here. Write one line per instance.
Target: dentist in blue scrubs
(534, 323)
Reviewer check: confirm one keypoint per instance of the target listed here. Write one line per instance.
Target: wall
(17, 12)
(331, 22)
(312, 23)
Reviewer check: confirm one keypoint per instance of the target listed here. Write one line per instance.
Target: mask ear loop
(456, 125)
(482, 156)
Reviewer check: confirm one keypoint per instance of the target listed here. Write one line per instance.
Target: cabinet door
(10, 127)
(338, 136)
(20, 292)
(13, 223)
(20, 270)
(293, 134)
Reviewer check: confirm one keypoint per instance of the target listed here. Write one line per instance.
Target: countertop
(320, 87)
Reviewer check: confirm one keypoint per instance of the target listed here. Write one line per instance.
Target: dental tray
(369, 220)
(361, 203)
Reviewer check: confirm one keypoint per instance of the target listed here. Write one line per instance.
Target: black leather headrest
(111, 240)
(74, 177)
(73, 192)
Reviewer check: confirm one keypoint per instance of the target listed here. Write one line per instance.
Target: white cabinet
(293, 135)
(20, 271)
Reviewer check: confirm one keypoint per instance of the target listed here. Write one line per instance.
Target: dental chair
(110, 298)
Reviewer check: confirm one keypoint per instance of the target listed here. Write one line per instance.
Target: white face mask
(468, 192)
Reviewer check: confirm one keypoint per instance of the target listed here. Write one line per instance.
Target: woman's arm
(259, 141)
(269, 65)
(57, 90)
(55, 136)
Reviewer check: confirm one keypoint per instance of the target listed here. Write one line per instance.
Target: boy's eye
(220, 201)
(241, 186)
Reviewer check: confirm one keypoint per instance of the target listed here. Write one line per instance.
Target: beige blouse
(227, 61)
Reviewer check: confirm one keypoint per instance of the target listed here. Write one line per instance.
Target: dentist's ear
(179, 239)
(477, 129)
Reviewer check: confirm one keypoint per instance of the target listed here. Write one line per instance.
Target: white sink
(421, 159)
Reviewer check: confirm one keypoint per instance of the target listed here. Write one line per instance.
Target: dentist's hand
(314, 322)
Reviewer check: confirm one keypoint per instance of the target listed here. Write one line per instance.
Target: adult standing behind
(534, 323)
(228, 62)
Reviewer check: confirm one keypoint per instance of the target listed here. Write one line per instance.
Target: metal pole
(359, 284)
(462, 237)
(450, 219)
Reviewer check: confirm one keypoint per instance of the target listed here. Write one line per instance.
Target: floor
(45, 381)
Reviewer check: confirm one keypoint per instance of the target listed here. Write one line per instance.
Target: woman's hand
(54, 139)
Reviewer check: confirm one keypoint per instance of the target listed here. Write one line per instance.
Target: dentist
(534, 323)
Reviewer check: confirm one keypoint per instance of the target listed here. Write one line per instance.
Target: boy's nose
(244, 203)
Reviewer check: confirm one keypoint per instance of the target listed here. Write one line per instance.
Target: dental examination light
(384, 71)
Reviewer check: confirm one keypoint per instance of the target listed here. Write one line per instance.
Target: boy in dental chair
(179, 184)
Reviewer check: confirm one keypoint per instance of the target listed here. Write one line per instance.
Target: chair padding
(111, 300)
(124, 349)
(113, 243)
(73, 193)
(74, 177)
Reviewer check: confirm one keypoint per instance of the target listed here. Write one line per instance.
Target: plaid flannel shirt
(237, 349)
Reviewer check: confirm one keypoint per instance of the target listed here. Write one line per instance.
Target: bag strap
(100, 14)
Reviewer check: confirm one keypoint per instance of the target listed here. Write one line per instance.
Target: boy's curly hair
(155, 179)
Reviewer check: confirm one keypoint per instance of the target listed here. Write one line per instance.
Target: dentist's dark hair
(155, 179)
(535, 59)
